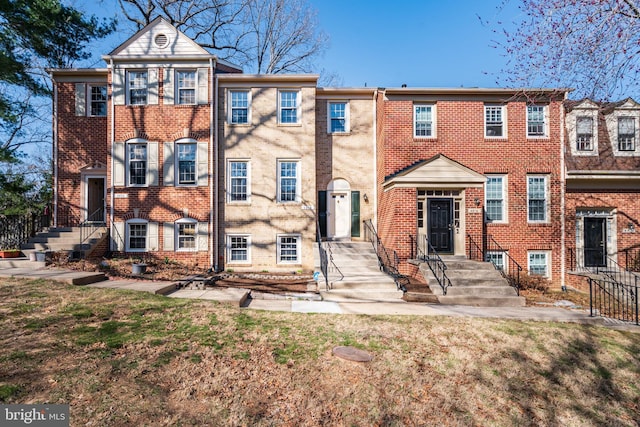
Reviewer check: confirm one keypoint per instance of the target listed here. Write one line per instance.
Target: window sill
(540, 137)
(425, 139)
(339, 133)
(496, 138)
(239, 203)
(239, 125)
(290, 124)
(539, 224)
(497, 224)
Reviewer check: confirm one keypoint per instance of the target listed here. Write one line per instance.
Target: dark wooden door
(595, 238)
(440, 229)
(95, 202)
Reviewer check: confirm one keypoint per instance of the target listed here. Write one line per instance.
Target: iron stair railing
(614, 300)
(326, 258)
(480, 253)
(438, 267)
(388, 260)
(88, 227)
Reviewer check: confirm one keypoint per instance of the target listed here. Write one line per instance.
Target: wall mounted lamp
(366, 198)
(476, 201)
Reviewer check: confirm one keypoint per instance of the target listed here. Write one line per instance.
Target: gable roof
(436, 172)
(159, 39)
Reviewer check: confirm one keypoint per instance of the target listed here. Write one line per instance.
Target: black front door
(595, 237)
(440, 229)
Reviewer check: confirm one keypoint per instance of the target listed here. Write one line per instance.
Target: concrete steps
(61, 239)
(473, 283)
(362, 281)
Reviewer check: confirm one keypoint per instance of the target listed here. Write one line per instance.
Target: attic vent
(161, 40)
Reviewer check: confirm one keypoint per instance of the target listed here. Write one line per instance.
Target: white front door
(339, 214)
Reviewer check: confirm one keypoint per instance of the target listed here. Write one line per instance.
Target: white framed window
(239, 102)
(288, 181)
(495, 198)
(539, 263)
(186, 232)
(423, 121)
(137, 163)
(626, 133)
(137, 87)
(186, 153)
(98, 100)
(495, 121)
(537, 121)
(338, 112)
(289, 106)
(497, 259)
(239, 181)
(186, 86)
(137, 231)
(239, 249)
(537, 198)
(584, 133)
(288, 247)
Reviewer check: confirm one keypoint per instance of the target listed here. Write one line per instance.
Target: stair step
(481, 291)
(478, 301)
(348, 295)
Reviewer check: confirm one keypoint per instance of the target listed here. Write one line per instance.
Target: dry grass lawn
(122, 358)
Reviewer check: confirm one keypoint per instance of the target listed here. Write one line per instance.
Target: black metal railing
(388, 260)
(324, 259)
(612, 299)
(428, 254)
(114, 238)
(511, 271)
(611, 270)
(16, 230)
(89, 227)
(632, 259)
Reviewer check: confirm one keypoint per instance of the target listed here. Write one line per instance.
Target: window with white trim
(137, 82)
(137, 163)
(288, 247)
(238, 248)
(137, 234)
(186, 232)
(186, 162)
(495, 193)
(423, 121)
(538, 263)
(584, 133)
(289, 106)
(288, 181)
(497, 259)
(494, 121)
(186, 86)
(537, 197)
(98, 99)
(536, 120)
(239, 107)
(239, 185)
(626, 133)
(338, 116)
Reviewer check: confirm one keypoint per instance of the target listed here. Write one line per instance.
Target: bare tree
(265, 36)
(592, 46)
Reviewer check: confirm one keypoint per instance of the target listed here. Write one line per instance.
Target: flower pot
(41, 256)
(138, 269)
(12, 253)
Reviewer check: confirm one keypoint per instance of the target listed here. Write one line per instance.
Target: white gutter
(563, 227)
(214, 179)
(55, 151)
(112, 192)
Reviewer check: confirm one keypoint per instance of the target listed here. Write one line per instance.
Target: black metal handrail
(324, 263)
(88, 227)
(513, 270)
(632, 259)
(110, 237)
(388, 260)
(436, 265)
(611, 270)
(612, 299)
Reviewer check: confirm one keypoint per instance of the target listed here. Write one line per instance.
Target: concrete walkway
(242, 298)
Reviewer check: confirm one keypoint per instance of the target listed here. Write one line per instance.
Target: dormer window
(584, 133)
(626, 134)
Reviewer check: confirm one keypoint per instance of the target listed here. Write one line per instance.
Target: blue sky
(421, 43)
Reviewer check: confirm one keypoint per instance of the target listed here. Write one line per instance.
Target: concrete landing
(225, 295)
(158, 288)
(65, 276)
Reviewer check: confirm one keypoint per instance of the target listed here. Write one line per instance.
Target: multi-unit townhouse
(186, 158)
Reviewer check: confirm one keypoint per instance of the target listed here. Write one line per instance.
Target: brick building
(185, 157)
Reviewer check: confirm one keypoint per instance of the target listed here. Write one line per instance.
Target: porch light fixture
(476, 201)
(366, 198)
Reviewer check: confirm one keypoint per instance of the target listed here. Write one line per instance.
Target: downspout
(375, 158)
(55, 151)
(213, 168)
(113, 189)
(563, 242)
